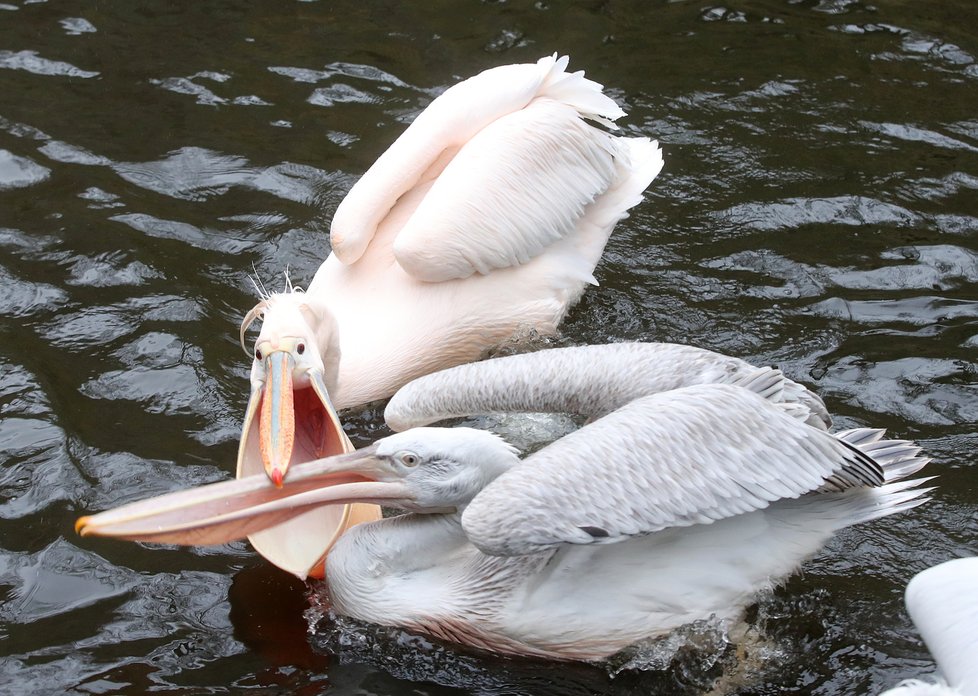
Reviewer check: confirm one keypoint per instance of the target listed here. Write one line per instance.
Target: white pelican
(701, 480)
(484, 219)
(943, 603)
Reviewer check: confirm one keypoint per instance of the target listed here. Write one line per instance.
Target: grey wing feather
(590, 381)
(688, 456)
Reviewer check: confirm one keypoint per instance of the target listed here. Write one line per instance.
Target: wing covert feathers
(506, 197)
(682, 457)
(513, 167)
(721, 445)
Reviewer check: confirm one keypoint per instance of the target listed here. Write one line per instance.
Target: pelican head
(290, 420)
(435, 469)
(296, 358)
(427, 470)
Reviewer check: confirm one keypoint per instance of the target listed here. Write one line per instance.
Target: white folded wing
(688, 456)
(506, 166)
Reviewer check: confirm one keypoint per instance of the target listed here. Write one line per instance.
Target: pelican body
(698, 480)
(943, 603)
(484, 220)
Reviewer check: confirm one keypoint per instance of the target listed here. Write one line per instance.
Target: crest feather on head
(265, 301)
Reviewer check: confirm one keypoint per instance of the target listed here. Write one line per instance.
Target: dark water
(818, 210)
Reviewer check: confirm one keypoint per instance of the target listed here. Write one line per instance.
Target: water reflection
(268, 611)
(30, 62)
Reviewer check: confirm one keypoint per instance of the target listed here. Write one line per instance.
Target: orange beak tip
(80, 525)
(277, 477)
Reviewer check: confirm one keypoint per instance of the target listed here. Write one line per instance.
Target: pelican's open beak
(229, 510)
(286, 425)
(282, 416)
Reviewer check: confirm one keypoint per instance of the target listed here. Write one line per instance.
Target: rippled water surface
(818, 210)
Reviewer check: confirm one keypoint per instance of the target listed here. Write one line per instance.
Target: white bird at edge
(484, 220)
(700, 480)
(943, 603)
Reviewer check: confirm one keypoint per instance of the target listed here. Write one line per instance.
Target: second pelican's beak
(276, 432)
(289, 422)
(229, 510)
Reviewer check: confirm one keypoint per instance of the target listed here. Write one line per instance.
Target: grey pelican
(483, 220)
(943, 603)
(699, 480)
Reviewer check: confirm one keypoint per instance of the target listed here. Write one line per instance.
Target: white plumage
(943, 603)
(483, 220)
(677, 505)
(684, 457)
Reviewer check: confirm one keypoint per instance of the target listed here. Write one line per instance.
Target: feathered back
(503, 197)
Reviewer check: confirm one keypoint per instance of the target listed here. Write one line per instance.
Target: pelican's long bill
(286, 424)
(276, 429)
(220, 512)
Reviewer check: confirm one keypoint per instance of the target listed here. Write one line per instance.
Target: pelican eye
(301, 348)
(258, 355)
(409, 459)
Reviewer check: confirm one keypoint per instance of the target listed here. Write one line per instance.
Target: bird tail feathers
(898, 459)
(639, 159)
(573, 89)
